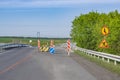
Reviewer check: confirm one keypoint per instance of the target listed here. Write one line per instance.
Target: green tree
(86, 31)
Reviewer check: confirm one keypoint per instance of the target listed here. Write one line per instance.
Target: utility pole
(38, 35)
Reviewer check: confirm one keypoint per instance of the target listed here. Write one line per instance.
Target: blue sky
(52, 18)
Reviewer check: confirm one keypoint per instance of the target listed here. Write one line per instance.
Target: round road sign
(105, 30)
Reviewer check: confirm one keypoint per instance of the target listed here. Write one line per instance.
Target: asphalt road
(29, 64)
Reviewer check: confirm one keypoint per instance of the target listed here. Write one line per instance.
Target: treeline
(86, 31)
(18, 37)
(25, 40)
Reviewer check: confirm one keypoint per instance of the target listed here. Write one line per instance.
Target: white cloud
(50, 3)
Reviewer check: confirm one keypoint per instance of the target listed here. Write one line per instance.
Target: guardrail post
(115, 62)
(0, 49)
(98, 57)
(108, 60)
(101, 55)
(103, 58)
(90, 54)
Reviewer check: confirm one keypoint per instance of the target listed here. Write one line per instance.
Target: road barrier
(38, 43)
(44, 49)
(11, 45)
(68, 46)
(103, 56)
(1, 49)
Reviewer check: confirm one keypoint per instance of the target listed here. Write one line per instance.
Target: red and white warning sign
(68, 46)
(51, 43)
(38, 43)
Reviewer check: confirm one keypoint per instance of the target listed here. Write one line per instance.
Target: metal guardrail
(0, 49)
(11, 45)
(104, 56)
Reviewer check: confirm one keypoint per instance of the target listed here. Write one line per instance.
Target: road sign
(68, 44)
(105, 30)
(51, 50)
(104, 44)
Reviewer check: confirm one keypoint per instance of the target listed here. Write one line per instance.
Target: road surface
(29, 64)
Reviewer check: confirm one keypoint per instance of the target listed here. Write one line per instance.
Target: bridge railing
(104, 56)
(11, 45)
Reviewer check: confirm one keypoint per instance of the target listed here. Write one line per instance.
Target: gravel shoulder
(97, 71)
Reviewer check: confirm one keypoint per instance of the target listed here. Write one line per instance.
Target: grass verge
(110, 66)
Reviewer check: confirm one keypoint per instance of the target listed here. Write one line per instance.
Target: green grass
(24, 40)
(5, 40)
(110, 66)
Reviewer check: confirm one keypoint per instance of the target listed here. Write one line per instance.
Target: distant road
(29, 64)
